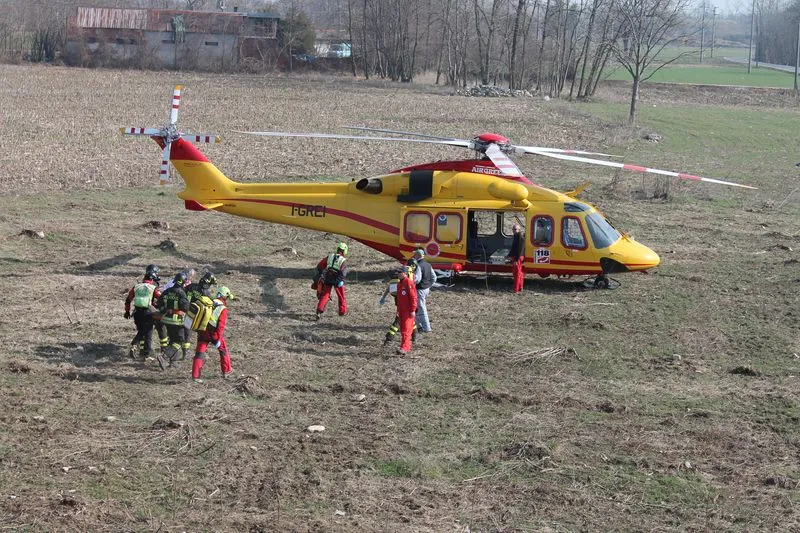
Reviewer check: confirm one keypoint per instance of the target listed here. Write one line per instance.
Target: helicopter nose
(627, 255)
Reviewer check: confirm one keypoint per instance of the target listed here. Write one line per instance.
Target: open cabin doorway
(489, 234)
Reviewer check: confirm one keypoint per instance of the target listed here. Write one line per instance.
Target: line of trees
(555, 47)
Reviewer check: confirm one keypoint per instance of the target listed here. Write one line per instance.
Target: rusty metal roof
(158, 20)
(102, 17)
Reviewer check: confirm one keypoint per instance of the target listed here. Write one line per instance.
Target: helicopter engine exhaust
(370, 185)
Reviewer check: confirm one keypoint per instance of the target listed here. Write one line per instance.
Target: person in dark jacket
(173, 305)
(142, 296)
(516, 257)
(424, 278)
(330, 274)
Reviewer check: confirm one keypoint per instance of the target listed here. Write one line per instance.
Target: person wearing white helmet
(330, 275)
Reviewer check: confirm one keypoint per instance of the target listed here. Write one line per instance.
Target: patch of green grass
(728, 74)
(663, 489)
(397, 468)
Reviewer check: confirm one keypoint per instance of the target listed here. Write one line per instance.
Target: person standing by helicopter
(330, 274)
(424, 278)
(407, 301)
(391, 290)
(516, 256)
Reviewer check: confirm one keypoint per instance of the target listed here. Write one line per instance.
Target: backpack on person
(200, 313)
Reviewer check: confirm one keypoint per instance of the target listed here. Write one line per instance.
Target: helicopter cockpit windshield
(603, 234)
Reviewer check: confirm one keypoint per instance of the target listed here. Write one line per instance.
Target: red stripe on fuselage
(337, 212)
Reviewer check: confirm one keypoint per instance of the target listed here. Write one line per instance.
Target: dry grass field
(670, 403)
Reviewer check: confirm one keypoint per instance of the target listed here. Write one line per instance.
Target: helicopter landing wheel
(601, 281)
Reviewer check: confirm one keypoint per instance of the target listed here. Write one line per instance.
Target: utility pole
(713, 29)
(797, 58)
(752, 29)
(702, 31)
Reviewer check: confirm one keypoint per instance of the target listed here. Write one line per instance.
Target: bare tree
(648, 27)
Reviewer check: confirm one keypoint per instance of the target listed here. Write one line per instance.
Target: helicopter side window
(542, 230)
(417, 227)
(448, 228)
(572, 233)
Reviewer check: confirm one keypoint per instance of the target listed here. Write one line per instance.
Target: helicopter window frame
(449, 214)
(409, 236)
(566, 220)
(543, 244)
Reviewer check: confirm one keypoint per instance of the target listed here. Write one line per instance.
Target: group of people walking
(182, 307)
(409, 287)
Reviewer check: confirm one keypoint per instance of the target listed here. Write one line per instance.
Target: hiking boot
(197, 380)
(387, 340)
(160, 359)
(227, 375)
(400, 352)
(318, 316)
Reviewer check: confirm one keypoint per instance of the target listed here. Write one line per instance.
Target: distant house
(161, 38)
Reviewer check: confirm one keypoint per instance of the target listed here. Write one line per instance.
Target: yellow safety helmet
(342, 246)
(225, 292)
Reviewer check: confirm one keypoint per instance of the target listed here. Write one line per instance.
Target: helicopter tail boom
(204, 181)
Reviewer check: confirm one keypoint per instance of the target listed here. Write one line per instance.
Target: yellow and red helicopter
(460, 212)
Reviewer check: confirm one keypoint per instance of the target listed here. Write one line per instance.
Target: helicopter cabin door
(440, 231)
(490, 234)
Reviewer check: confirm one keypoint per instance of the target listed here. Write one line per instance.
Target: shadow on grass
(96, 354)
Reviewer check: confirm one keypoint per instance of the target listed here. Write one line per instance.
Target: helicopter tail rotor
(168, 134)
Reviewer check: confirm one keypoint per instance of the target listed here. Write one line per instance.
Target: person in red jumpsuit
(330, 274)
(406, 308)
(214, 335)
(517, 258)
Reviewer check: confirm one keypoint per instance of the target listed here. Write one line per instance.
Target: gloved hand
(217, 344)
(382, 300)
(340, 284)
(127, 315)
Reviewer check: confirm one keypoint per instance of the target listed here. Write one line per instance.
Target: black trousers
(144, 329)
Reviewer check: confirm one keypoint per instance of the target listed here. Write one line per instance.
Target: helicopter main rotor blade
(423, 135)
(637, 168)
(454, 142)
(538, 149)
(502, 161)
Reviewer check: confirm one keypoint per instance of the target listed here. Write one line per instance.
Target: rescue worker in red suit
(330, 274)
(516, 256)
(143, 296)
(214, 335)
(406, 308)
